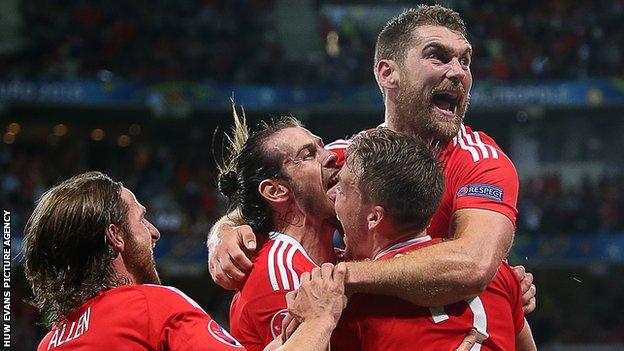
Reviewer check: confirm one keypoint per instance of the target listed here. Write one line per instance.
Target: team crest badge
(221, 334)
(276, 322)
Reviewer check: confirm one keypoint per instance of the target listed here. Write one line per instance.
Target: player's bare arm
(524, 339)
(410, 280)
(227, 262)
(443, 273)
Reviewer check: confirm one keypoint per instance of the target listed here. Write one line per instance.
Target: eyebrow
(304, 147)
(446, 49)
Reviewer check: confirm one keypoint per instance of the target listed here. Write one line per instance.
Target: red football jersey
(139, 317)
(258, 308)
(375, 322)
(477, 175)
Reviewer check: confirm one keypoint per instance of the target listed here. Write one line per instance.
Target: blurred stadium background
(137, 88)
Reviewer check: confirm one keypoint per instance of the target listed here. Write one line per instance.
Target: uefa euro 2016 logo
(221, 334)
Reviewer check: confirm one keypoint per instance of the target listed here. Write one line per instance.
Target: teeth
(446, 100)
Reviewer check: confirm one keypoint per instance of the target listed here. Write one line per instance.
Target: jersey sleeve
(267, 312)
(485, 183)
(179, 323)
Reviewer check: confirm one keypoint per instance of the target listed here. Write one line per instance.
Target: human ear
(274, 190)
(114, 237)
(375, 217)
(387, 72)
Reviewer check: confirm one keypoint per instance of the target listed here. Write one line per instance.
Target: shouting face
(434, 84)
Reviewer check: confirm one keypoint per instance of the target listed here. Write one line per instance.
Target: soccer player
(278, 178)
(388, 191)
(422, 66)
(89, 260)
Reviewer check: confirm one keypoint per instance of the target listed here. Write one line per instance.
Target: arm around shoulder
(227, 262)
(443, 273)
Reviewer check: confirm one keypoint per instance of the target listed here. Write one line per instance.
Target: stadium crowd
(237, 40)
(177, 183)
(546, 206)
(141, 41)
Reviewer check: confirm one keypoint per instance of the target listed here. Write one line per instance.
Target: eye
(434, 56)
(438, 56)
(310, 154)
(465, 61)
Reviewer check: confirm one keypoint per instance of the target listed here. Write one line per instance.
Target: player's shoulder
(472, 147)
(286, 259)
(165, 295)
(45, 341)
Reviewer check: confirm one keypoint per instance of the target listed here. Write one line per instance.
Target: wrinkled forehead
(428, 34)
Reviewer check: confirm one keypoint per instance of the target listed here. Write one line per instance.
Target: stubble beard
(313, 205)
(415, 115)
(140, 263)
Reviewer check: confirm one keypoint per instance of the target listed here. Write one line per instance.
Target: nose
(154, 232)
(330, 160)
(456, 72)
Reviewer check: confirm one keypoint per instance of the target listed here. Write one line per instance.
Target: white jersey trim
(281, 255)
(472, 143)
(401, 245)
(338, 144)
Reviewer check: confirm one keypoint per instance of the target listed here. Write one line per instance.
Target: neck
(390, 113)
(121, 271)
(383, 241)
(315, 236)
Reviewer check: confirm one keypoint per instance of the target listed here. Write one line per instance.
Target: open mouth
(446, 101)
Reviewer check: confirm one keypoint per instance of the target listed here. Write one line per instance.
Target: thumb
(248, 237)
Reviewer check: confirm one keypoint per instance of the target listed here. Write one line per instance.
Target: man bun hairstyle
(247, 163)
(228, 183)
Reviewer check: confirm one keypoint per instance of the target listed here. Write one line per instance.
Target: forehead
(128, 197)
(290, 140)
(427, 34)
(348, 172)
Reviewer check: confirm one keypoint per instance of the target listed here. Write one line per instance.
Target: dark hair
(67, 258)
(401, 173)
(397, 36)
(248, 164)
